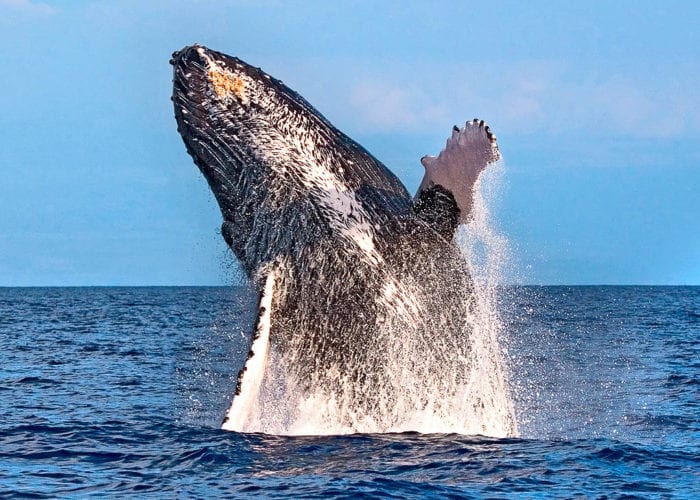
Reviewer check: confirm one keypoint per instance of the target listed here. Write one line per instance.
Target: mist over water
(424, 389)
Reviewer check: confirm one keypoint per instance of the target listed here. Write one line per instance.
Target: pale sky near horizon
(595, 105)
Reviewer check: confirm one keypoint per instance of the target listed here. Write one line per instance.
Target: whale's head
(241, 126)
(272, 160)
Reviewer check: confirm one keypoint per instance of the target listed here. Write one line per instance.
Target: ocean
(121, 391)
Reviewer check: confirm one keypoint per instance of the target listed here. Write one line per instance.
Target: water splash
(427, 385)
(487, 254)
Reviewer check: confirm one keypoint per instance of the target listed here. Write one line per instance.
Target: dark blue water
(118, 391)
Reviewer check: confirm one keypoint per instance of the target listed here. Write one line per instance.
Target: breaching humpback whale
(364, 294)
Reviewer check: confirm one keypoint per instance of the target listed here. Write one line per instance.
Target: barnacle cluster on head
(226, 85)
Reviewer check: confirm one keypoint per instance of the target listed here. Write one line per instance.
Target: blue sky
(595, 105)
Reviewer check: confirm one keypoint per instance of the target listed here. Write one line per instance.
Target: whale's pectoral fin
(251, 375)
(454, 171)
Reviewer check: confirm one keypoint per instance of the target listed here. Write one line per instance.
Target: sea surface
(120, 392)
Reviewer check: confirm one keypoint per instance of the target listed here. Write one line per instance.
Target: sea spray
(428, 385)
(487, 254)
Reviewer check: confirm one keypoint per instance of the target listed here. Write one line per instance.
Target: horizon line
(244, 285)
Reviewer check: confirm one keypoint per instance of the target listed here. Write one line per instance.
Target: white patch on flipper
(467, 153)
(254, 368)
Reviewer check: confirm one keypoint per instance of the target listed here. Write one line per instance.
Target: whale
(364, 296)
